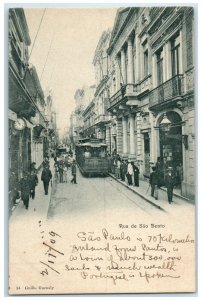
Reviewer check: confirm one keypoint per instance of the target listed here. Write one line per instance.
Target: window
(145, 63)
(145, 59)
(159, 62)
(114, 85)
(175, 47)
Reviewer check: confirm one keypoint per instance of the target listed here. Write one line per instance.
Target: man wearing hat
(25, 187)
(170, 182)
(154, 181)
(74, 172)
(46, 177)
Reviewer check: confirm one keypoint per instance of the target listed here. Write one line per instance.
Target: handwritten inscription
(51, 252)
(117, 257)
(122, 257)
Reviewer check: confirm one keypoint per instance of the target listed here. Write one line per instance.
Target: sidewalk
(144, 191)
(37, 206)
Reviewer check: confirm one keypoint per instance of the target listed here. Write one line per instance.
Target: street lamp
(165, 123)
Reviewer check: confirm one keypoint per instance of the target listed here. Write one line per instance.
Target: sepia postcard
(101, 121)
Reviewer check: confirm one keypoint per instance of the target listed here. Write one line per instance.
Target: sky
(63, 50)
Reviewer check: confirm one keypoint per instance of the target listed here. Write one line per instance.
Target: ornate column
(164, 63)
(130, 62)
(123, 65)
(124, 124)
(137, 59)
(139, 137)
(132, 135)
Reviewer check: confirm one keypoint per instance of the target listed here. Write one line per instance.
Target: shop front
(171, 144)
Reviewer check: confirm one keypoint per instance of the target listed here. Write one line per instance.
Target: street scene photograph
(101, 150)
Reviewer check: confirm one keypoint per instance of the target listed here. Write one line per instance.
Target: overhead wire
(37, 32)
(49, 50)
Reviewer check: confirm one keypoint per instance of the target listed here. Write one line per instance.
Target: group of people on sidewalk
(156, 182)
(124, 169)
(25, 188)
(61, 170)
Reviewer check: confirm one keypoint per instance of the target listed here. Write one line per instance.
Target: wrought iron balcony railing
(122, 92)
(168, 90)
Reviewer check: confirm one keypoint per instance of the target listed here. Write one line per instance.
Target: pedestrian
(129, 173)
(74, 172)
(25, 188)
(45, 162)
(179, 170)
(113, 164)
(170, 182)
(33, 167)
(56, 171)
(118, 168)
(61, 169)
(160, 171)
(65, 173)
(125, 166)
(136, 173)
(122, 174)
(33, 183)
(154, 182)
(46, 176)
(14, 187)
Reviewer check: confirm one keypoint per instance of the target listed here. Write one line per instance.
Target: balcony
(131, 94)
(168, 91)
(102, 119)
(129, 89)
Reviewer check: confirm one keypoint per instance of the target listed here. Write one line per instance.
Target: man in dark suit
(46, 176)
(170, 182)
(154, 183)
(25, 188)
(74, 172)
(136, 174)
(33, 182)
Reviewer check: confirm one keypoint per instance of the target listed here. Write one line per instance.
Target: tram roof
(91, 144)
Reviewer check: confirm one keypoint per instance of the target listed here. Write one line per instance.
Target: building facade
(82, 99)
(101, 100)
(152, 90)
(26, 99)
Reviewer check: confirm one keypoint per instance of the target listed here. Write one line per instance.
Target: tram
(91, 157)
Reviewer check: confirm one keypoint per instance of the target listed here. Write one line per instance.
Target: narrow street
(98, 199)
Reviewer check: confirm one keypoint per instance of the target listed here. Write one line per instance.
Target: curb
(138, 193)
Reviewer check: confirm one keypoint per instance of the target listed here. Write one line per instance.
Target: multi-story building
(26, 99)
(82, 99)
(50, 140)
(152, 90)
(89, 120)
(101, 101)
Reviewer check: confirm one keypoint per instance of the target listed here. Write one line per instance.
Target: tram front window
(102, 153)
(87, 153)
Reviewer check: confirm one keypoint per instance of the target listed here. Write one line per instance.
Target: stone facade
(152, 75)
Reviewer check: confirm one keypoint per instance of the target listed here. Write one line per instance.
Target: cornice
(131, 12)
